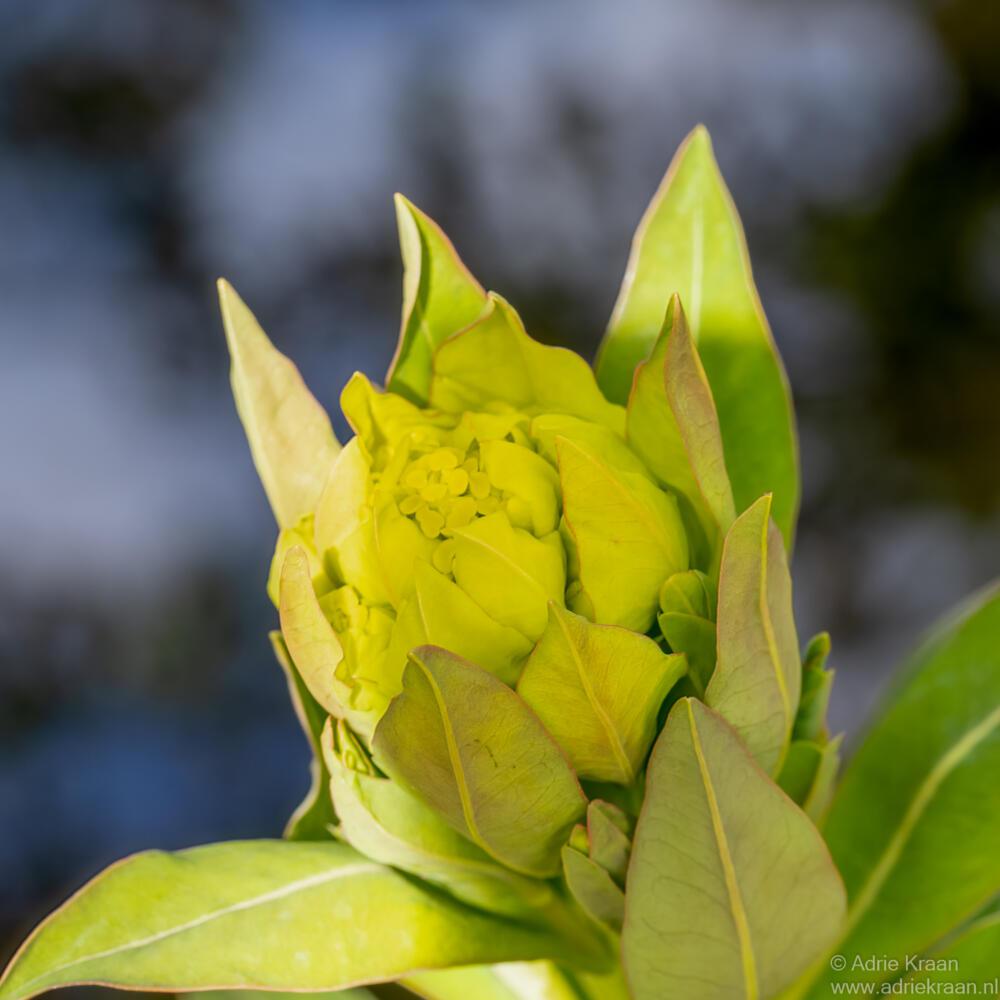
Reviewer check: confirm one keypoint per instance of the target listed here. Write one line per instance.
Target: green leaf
(440, 297)
(312, 642)
(913, 825)
(757, 679)
(495, 360)
(624, 535)
(687, 620)
(348, 994)
(593, 888)
(393, 827)
(259, 915)
(440, 613)
(970, 957)
(817, 682)
(690, 242)
(597, 690)
(672, 425)
(369, 543)
(731, 891)
(314, 817)
(509, 573)
(609, 835)
(469, 747)
(509, 981)
(808, 774)
(290, 437)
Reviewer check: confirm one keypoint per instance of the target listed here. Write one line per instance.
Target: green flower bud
(458, 529)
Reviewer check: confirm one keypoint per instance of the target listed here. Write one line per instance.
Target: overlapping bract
(494, 599)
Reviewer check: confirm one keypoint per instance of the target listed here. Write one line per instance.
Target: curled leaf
(598, 689)
(468, 746)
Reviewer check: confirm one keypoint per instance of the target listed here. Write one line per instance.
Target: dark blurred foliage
(147, 146)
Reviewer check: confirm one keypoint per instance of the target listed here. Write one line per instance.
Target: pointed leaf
(672, 425)
(393, 827)
(496, 361)
(913, 825)
(259, 915)
(290, 436)
(757, 679)
(690, 241)
(625, 538)
(440, 297)
(469, 747)
(314, 817)
(731, 891)
(593, 889)
(597, 690)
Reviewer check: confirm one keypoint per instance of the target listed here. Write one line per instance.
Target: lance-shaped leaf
(440, 297)
(597, 690)
(817, 681)
(758, 676)
(913, 825)
(290, 437)
(260, 915)
(624, 535)
(391, 826)
(593, 888)
(671, 423)
(314, 817)
(731, 891)
(690, 241)
(467, 745)
(495, 360)
(312, 643)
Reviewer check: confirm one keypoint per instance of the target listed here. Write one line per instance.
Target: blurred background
(148, 146)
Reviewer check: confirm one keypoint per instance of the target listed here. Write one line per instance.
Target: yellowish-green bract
(537, 624)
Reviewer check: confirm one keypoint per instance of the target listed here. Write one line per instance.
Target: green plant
(538, 628)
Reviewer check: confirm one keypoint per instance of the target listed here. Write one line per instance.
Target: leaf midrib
(262, 899)
(736, 906)
(945, 766)
(644, 514)
(614, 741)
